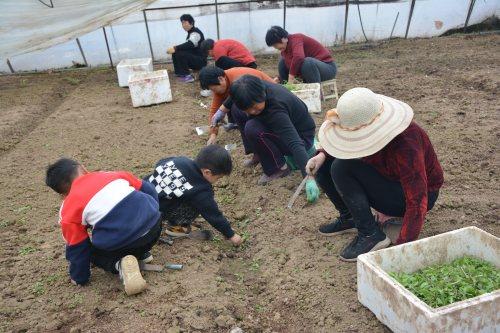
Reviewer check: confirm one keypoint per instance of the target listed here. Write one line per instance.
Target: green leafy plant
(290, 86)
(443, 284)
(27, 250)
(38, 289)
(255, 265)
(260, 308)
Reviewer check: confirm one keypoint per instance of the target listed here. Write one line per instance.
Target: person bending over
(228, 53)
(120, 210)
(184, 188)
(280, 129)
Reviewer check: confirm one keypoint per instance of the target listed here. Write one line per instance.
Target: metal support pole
(284, 14)
(50, 6)
(345, 20)
(10, 66)
(149, 38)
(471, 7)
(409, 17)
(107, 46)
(394, 25)
(217, 19)
(81, 51)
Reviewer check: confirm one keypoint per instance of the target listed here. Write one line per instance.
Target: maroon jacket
(410, 159)
(298, 48)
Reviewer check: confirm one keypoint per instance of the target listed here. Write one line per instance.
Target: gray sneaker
(130, 274)
(264, 179)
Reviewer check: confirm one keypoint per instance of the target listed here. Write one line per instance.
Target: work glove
(217, 117)
(312, 190)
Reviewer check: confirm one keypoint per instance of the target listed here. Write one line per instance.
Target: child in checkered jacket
(184, 188)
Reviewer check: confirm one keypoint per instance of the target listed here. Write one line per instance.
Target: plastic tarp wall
(246, 21)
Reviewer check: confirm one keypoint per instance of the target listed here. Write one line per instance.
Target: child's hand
(236, 240)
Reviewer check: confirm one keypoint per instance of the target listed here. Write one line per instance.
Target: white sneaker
(131, 276)
(206, 93)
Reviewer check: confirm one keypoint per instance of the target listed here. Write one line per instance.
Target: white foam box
(150, 88)
(128, 67)
(400, 310)
(310, 94)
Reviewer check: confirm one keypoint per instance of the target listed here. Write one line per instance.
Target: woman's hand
(315, 163)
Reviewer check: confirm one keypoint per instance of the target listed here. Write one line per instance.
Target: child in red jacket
(122, 213)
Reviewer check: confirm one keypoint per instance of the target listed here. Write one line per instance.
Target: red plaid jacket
(410, 159)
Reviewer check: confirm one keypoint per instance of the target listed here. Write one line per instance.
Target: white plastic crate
(402, 311)
(310, 94)
(128, 67)
(150, 88)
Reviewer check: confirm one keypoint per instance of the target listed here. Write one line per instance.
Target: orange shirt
(232, 75)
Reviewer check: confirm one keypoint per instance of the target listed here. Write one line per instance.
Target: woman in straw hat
(374, 156)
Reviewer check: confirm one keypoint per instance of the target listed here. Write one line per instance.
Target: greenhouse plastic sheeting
(30, 25)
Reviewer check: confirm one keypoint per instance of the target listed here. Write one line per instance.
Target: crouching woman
(374, 156)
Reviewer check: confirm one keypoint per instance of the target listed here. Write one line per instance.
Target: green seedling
(51, 279)
(260, 308)
(217, 240)
(27, 250)
(443, 284)
(23, 209)
(255, 265)
(38, 289)
(239, 277)
(72, 80)
(245, 236)
(244, 223)
(5, 223)
(76, 301)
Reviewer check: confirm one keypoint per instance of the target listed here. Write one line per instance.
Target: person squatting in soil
(228, 53)
(219, 82)
(184, 189)
(120, 210)
(278, 128)
(301, 56)
(188, 55)
(374, 155)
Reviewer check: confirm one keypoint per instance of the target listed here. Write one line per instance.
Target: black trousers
(107, 259)
(185, 60)
(354, 186)
(182, 215)
(226, 63)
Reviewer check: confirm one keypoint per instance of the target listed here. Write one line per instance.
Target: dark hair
(187, 17)
(209, 75)
(274, 35)
(207, 45)
(247, 90)
(216, 159)
(61, 174)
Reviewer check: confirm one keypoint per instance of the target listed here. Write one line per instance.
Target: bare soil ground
(287, 278)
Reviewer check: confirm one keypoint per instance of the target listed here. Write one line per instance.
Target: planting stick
(296, 193)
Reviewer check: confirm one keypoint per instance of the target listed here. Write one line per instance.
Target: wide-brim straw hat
(363, 123)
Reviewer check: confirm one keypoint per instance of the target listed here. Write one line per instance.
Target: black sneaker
(339, 226)
(364, 244)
